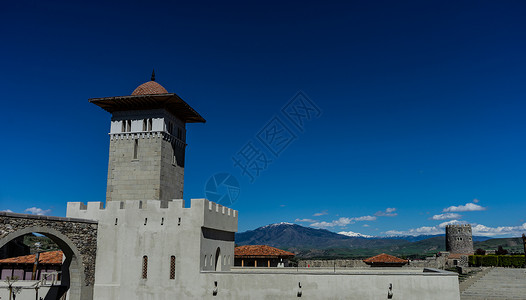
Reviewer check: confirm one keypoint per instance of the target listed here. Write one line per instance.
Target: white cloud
(389, 212)
(342, 222)
(425, 230)
(467, 207)
(446, 216)
(354, 234)
(37, 211)
(364, 218)
(477, 229)
(482, 230)
(7, 210)
(366, 225)
(282, 205)
(305, 220)
(452, 222)
(321, 213)
(476, 200)
(417, 231)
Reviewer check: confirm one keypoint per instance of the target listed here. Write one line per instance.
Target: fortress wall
(131, 230)
(365, 285)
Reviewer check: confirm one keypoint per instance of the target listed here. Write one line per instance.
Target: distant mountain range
(321, 243)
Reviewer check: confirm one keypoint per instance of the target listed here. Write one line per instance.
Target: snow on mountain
(277, 224)
(354, 234)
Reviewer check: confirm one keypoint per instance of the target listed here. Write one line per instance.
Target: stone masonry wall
(82, 235)
(459, 239)
(130, 178)
(431, 262)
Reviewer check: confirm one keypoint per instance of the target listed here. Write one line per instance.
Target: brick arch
(77, 238)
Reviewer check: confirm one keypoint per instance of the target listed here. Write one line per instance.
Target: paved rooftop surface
(498, 284)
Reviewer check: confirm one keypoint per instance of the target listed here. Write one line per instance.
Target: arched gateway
(77, 238)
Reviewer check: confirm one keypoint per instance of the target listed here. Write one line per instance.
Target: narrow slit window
(116, 219)
(174, 152)
(144, 267)
(135, 148)
(144, 126)
(145, 221)
(150, 124)
(172, 267)
(128, 128)
(162, 221)
(123, 128)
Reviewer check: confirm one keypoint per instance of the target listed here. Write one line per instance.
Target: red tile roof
(260, 250)
(51, 257)
(384, 259)
(149, 88)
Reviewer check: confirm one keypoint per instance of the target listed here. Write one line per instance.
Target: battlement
(202, 211)
(173, 205)
(459, 226)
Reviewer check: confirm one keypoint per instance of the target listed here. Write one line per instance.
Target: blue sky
(420, 120)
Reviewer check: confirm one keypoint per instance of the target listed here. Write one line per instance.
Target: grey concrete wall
(366, 285)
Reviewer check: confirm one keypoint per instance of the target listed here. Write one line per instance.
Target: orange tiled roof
(51, 257)
(384, 259)
(260, 250)
(149, 88)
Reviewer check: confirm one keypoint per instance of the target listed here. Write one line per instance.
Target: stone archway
(76, 237)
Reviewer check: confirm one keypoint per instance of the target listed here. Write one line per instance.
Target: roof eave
(171, 102)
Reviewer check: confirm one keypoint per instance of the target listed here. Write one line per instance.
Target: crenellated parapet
(202, 212)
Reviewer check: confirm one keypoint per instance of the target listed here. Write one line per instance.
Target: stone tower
(459, 239)
(147, 143)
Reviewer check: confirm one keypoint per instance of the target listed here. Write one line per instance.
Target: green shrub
(515, 261)
(490, 260)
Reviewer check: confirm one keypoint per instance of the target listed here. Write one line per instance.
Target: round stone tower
(459, 239)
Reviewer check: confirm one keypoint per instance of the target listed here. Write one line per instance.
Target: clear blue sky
(422, 105)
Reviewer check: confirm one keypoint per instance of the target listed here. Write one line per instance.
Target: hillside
(510, 244)
(319, 243)
(293, 236)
